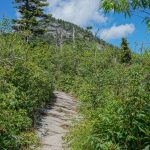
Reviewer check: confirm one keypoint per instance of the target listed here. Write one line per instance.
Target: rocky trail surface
(56, 121)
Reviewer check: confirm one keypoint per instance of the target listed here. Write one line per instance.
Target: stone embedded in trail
(56, 122)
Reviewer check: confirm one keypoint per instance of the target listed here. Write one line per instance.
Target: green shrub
(25, 86)
(114, 97)
(114, 100)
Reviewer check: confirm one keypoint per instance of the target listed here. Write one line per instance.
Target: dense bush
(114, 98)
(25, 86)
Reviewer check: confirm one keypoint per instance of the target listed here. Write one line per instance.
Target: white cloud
(116, 32)
(80, 12)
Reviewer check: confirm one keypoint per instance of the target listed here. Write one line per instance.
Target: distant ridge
(64, 29)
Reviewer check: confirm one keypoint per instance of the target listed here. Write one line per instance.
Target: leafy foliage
(114, 97)
(128, 8)
(25, 86)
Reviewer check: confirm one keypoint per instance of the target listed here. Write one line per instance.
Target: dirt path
(56, 122)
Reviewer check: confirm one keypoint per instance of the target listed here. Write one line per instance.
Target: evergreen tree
(125, 53)
(30, 12)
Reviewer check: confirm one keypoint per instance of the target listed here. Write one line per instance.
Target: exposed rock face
(59, 31)
(54, 26)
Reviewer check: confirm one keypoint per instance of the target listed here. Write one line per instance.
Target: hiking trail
(56, 121)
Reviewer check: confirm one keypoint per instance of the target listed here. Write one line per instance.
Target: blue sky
(112, 26)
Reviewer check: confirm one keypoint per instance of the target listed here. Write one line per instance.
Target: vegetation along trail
(56, 122)
(41, 54)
